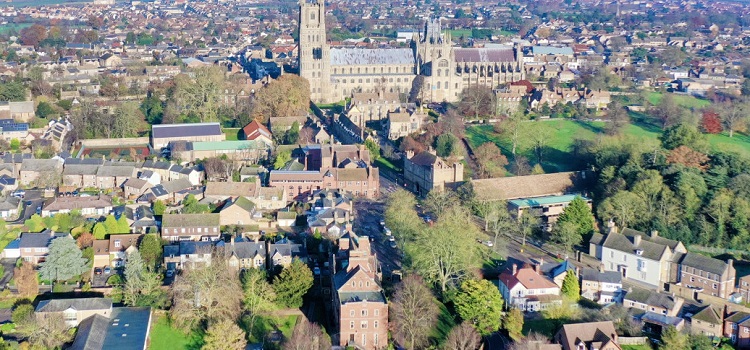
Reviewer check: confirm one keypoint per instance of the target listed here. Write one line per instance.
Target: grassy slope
(682, 100)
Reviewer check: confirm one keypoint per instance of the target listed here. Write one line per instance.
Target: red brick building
(359, 302)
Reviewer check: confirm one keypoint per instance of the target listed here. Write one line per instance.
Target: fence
(632, 340)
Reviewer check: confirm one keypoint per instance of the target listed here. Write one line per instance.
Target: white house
(527, 289)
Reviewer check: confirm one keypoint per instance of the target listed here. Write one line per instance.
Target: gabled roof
(708, 314)
(513, 187)
(561, 268)
(78, 304)
(185, 130)
(570, 335)
(601, 276)
(705, 263)
(527, 277)
(254, 130)
(190, 220)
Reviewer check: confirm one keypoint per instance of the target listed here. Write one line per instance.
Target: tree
(579, 213)
(688, 157)
(287, 96)
(128, 120)
(307, 336)
(683, 135)
(27, 280)
(538, 138)
(111, 225)
(150, 249)
(447, 145)
(401, 217)
(476, 101)
(292, 284)
(100, 231)
(190, 205)
(197, 96)
(710, 122)
(48, 332)
(159, 207)
(445, 252)
(206, 293)
(374, 149)
(734, 115)
(85, 240)
(463, 337)
(259, 294)
(12, 91)
(513, 323)
(667, 112)
(142, 287)
(33, 35)
(671, 338)
(282, 157)
(618, 119)
(64, 260)
(512, 128)
(438, 201)
(480, 304)
(490, 160)
(413, 313)
(624, 207)
(34, 223)
(45, 110)
(224, 335)
(566, 234)
(570, 287)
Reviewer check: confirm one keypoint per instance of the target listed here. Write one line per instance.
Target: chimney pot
(515, 269)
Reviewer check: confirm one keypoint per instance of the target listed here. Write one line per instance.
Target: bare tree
(463, 337)
(477, 101)
(206, 292)
(306, 135)
(512, 128)
(532, 342)
(308, 336)
(26, 280)
(216, 169)
(734, 115)
(413, 313)
(490, 161)
(453, 123)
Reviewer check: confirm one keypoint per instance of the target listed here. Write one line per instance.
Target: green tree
(374, 149)
(99, 231)
(142, 287)
(35, 223)
(401, 216)
(566, 234)
(282, 158)
(15, 144)
(445, 252)
(292, 284)
(480, 303)
(224, 335)
(196, 96)
(684, 135)
(671, 338)
(570, 288)
(259, 294)
(151, 251)
(159, 207)
(45, 110)
(513, 323)
(122, 224)
(292, 135)
(579, 213)
(153, 108)
(110, 224)
(447, 145)
(190, 205)
(64, 260)
(625, 208)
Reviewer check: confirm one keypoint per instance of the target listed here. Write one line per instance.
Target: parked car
(170, 273)
(107, 270)
(393, 244)
(387, 231)
(98, 271)
(392, 239)
(488, 243)
(316, 271)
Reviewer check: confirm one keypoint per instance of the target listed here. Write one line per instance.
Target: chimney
(537, 268)
(611, 226)
(654, 233)
(637, 240)
(231, 241)
(541, 262)
(578, 271)
(515, 269)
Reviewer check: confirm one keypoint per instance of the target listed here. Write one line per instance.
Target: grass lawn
(637, 347)
(7, 238)
(687, 101)
(542, 326)
(446, 322)
(232, 134)
(385, 163)
(564, 132)
(163, 336)
(266, 324)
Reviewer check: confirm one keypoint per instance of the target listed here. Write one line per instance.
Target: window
(351, 313)
(117, 243)
(364, 339)
(611, 253)
(377, 312)
(363, 325)
(376, 339)
(375, 325)
(715, 286)
(364, 312)
(351, 325)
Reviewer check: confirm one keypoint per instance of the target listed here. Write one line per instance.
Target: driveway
(8, 265)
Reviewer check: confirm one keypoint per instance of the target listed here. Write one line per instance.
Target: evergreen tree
(64, 260)
(151, 251)
(100, 232)
(671, 338)
(513, 323)
(578, 212)
(159, 207)
(480, 303)
(110, 224)
(122, 225)
(292, 284)
(570, 287)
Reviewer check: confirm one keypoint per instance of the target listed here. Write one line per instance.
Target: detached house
(187, 254)
(709, 321)
(242, 254)
(425, 172)
(88, 206)
(603, 287)
(527, 289)
(588, 336)
(240, 211)
(74, 311)
(282, 254)
(34, 247)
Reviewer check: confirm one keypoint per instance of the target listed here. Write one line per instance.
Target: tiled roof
(190, 220)
(704, 263)
(602, 332)
(709, 314)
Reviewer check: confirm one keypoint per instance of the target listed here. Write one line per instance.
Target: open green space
(564, 133)
(383, 162)
(542, 326)
(163, 336)
(687, 101)
(232, 134)
(267, 324)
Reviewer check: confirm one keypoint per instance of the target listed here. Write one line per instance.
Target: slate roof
(513, 187)
(128, 328)
(601, 276)
(91, 333)
(34, 240)
(709, 314)
(192, 247)
(561, 268)
(244, 250)
(287, 249)
(117, 171)
(650, 298)
(185, 130)
(484, 55)
(79, 304)
(601, 332)
(80, 169)
(349, 56)
(620, 242)
(40, 165)
(425, 159)
(704, 263)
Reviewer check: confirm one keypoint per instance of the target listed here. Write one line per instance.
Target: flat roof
(546, 200)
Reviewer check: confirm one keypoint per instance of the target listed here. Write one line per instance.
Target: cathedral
(441, 70)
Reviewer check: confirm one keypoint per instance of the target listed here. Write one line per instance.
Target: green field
(232, 134)
(564, 132)
(163, 336)
(687, 101)
(13, 26)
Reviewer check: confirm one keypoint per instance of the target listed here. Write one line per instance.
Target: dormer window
(639, 252)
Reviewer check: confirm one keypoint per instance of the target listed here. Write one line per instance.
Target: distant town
(410, 175)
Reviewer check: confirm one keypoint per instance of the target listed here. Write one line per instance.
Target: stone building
(433, 66)
(425, 172)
